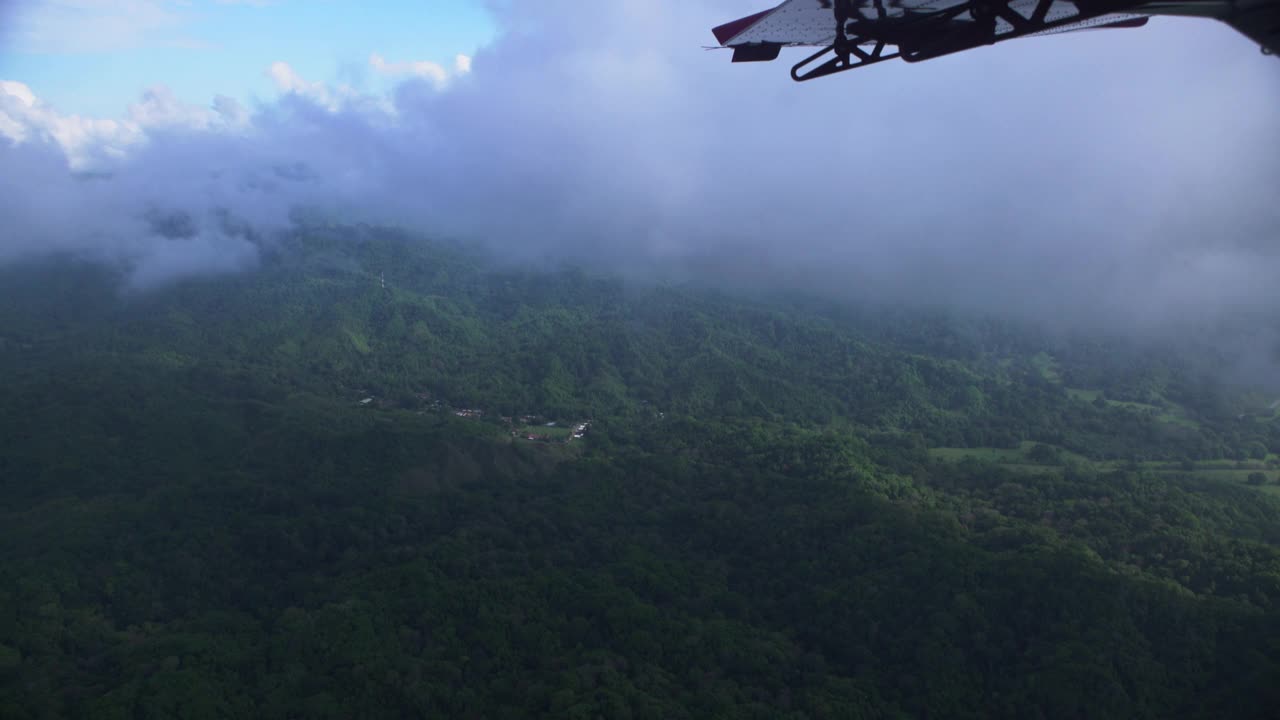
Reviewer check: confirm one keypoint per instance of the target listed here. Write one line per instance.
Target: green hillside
(780, 508)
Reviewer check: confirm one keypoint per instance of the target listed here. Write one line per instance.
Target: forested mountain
(310, 490)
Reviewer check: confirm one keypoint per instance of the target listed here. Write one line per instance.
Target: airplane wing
(855, 33)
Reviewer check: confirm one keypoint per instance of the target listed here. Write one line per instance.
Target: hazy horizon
(1098, 178)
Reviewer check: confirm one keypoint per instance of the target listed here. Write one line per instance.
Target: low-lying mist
(1106, 180)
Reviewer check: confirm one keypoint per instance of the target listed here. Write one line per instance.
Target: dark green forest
(253, 496)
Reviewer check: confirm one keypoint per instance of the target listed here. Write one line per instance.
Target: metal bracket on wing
(847, 50)
(934, 34)
(984, 14)
(843, 58)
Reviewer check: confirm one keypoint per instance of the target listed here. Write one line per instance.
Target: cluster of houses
(576, 431)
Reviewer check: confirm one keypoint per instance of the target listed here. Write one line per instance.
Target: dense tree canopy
(782, 508)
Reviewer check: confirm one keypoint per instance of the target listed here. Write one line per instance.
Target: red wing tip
(726, 32)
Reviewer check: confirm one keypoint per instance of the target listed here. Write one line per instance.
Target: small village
(532, 429)
(529, 428)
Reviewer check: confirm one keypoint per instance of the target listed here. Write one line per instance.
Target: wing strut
(847, 59)
(861, 41)
(846, 51)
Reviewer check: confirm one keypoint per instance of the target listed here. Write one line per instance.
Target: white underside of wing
(795, 22)
(1100, 22)
(812, 22)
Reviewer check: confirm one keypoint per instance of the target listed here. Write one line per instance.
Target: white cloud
(19, 92)
(159, 109)
(287, 80)
(89, 142)
(85, 141)
(332, 98)
(231, 111)
(1130, 188)
(433, 72)
(212, 253)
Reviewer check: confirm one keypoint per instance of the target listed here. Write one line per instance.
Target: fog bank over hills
(1104, 179)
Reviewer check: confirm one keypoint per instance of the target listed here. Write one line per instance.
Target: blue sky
(94, 57)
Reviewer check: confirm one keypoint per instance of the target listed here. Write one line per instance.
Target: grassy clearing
(1174, 419)
(1172, 413)
(358, 341)
(996, 455)
(1241, 477)
(1016, 460)
(1031, 468)
(555, 433)
(1082, 394)
(1016, 457)
(1047, 367)
(1020, 455)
